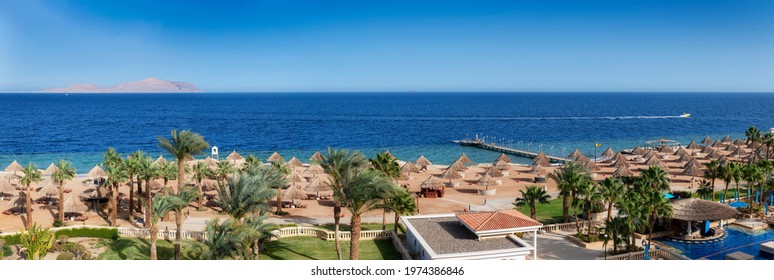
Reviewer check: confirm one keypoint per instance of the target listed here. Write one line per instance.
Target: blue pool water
(737, 239)
(42, 128)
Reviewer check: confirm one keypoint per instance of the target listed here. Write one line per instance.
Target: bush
(105, 233)
(65, 256)
(682, 194)
(58, 223)
(13, 239)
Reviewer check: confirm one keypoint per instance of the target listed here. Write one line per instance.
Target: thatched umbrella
(663, 166)
(50, 170)
(14, 167)
(502, 165)
(591, 166)
(234, 156)
(739, 142)
(96, 172)
(727, 139)
(73, 204)
(48, 188)
(608, 153)
(681, 152)
(295, 162)
(450, 174)
(622, 172)
(457, 166)
(409, 168)
(6, 187)
(692, 145)
(503, 157)
(695, 162)
(575, 154)
(294, 193)
(707, 149)
(713, 155)
(486, 181)
(697, 210)
(752, 158)
(707, 141)
(718, 144)
(98, 192)
(538, 169)
(685, 158)
(618, 156)
(543, 156)
(722, 160)
(295, 178)
(275, 157)
(652, 160)
(693, 170)
(494, 172)
(622, 163)
(160, 160)
(639, 151)
(317, 156)
(464, 159)
(650, 153)
(211, 163)
(667, 150)
(543, 162)
(423, 162)
(582, 159)
(737, 153)
(317, 185)
(314, 169)
(432, 183)
(731, 148)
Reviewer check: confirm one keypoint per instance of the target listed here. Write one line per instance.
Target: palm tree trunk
(354, 239)
(114, 213)
(279, 201)
(588, 219)
(395, 226)
(148, 203)
(154, 231)
(610, 210)
(577, 224)
(179, 232)
(336, 221)
(131, 196)
(60, 206)
(28, 207)
(384, 219)
(140, 192)
(201, 196)
(180, 175)
(566, 208)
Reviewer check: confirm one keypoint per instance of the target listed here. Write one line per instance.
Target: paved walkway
(555, 246)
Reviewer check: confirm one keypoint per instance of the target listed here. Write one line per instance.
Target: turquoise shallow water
(42, 128)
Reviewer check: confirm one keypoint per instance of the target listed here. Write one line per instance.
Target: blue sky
(619, 45)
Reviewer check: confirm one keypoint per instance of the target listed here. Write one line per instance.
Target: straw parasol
(722, 159)
(667, 150)
(697, 210)
(295, 178)
(457, 165)
(737, 153)
(618, 156)
(98, 192)
(6, 187)
(74, 204)
(650, 153)
(622, 172)
(50, 170)
(692, 145)
(450, 174)
(423, 162)
(739, 142)
(494, 172)
(295, 162)
(543, 162)
(314, 169)
(486, 181)
(503, 157)
(681, 152)
(693, 170)
(707, 149)
(718, 144)
(707, 141)
(502, 165)
(234, 156)
(731, 148)
(432, 183)
(409, 168)
(14, 167)
(317, 184)
(538, 169)
(663, 166)
(582, 159)
(638, 151)
(752, 157)
(622, 163)
(713, 154)
(48, 188)
(464, 159)
(727, 139)
(652, 160)
(275, 157)
(317, 156)
(211, 162)
(96, 172)
(685, 158)
(575, 154)
(542, 155)
(591, 166)
(608, 153)
(294, 193)
(160, 160)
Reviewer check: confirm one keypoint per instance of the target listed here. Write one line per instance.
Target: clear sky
(284, 45)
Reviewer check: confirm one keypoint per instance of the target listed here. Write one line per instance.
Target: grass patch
(313, 248)
(364, 226)
(550, 213)
(139, 249)
(6, 251)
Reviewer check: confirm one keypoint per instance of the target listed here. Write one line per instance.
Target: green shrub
(58, 223)
(105, 233)
(65, 256)
(13, 239)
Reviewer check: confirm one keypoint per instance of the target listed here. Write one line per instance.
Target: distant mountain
(147, 85)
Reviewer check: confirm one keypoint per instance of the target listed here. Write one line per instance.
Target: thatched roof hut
(423, 162)
(575, 154)
(650, 153)
(663, 166)
(692, 145)
(697, 210)
(432, 183)
(409, 168)
(667, 150)
(608, 152)
(6, 187)
(731, 148)
(494, 172)
(707, 141)
(211, 163)
(73, 204)
(317, 156)
(234, 156)
(293, 193)
(638, 151)
(464, 159)
(622, 172)
(582, 159)
(276, 157)
(682, 152)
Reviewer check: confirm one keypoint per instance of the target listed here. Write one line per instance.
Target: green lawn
(547, 213)
(313, 248)
(139, 249)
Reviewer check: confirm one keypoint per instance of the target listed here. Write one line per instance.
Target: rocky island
(146, 85)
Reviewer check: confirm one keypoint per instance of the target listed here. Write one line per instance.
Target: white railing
(564, 226)
(654, 255)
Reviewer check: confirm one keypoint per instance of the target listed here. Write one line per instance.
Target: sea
(43, 128)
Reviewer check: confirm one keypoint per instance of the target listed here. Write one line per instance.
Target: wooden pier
(487, 146)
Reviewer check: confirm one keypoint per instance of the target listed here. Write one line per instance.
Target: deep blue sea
(42, 128)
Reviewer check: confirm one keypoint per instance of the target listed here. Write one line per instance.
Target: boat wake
(484, 118)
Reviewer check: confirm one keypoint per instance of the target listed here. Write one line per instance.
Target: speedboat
(685, 115)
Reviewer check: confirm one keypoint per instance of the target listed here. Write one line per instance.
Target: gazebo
(540, 173)
(698, 210)
(432, 188)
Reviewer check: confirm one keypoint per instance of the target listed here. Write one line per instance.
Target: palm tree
(737, 173)
(656, 177)
(618, 230)
(31, 175)
(340, 166)
(587, 200)
(64, 172)
(725, 173)
(223, 240)
(256, 231)
(768, 141)
(167, 171)
(201, 172)
(753, 135)
(531, 198)
(630, 209)
(401, 203)
(364, 192)
(752, 174)
(146, 171)
(248, 193)
(116, 175)
(388, 165)
(224, 169)
(711, 174)
(705, 190)
(131, 170)
(568, 179)
(610, 189)
(250, 162)
(162, 205)
(182, 145)
(284, 170)
(657, 206)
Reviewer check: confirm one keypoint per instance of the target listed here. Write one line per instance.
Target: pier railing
(518, 152)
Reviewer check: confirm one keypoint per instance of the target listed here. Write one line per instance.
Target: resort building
(471, 236)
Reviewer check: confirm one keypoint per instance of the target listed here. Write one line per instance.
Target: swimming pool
(736, 239)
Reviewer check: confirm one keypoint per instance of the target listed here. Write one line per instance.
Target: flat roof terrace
(447, 235)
